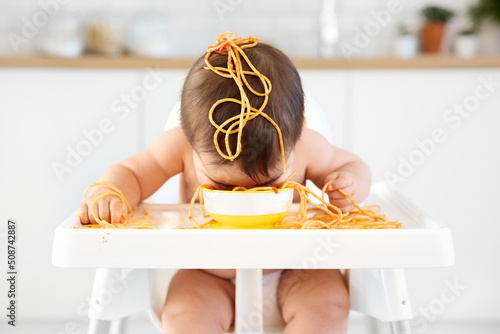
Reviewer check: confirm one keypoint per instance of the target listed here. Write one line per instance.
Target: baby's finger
(104, 211)
(116, 208)
(338, 195)
(347, 208)
(83, 213)
(341, 181)
(91, 215)
(341, 203)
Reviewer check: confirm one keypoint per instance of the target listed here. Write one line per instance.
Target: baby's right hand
(108, 208)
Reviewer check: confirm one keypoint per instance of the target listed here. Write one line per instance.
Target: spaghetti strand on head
(227, 43)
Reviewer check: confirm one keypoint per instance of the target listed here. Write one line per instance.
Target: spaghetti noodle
(309, 216)
(362, 217)
(127, 222)
(227, 43)
(327, 215)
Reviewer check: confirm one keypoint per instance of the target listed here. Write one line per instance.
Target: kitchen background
(383, 113)
(187, 26)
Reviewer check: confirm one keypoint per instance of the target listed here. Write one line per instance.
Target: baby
(202, 301)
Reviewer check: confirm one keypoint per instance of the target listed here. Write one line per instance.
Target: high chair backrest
(316, 119)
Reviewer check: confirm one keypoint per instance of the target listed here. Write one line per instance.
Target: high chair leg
(373, 326)
(98, 326)
(400, 327)
(107, 327)
(248, 303)
(118, 326)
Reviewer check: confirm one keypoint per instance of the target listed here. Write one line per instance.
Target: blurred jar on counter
(147, 35)
(106, 35)
(406, 42)
(63, 36)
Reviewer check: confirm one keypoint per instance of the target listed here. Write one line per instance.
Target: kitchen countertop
(126, 62)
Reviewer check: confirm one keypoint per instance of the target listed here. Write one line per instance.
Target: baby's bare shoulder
(316, 153)
(170, 148)
(312, 140)
(173, 135)
(171, 141)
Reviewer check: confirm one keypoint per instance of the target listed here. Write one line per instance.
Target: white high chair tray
(421, 242)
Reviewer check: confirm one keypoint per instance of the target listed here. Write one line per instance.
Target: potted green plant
(487, 9)
(484, 10)
(432, 32)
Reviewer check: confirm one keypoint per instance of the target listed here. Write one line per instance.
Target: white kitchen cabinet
(394, 114)
(44, 114)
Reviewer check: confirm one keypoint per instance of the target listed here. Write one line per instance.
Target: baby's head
(260, 160)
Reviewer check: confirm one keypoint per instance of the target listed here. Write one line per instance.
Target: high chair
(135, 266)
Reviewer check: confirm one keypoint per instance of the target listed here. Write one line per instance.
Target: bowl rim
(250, 191)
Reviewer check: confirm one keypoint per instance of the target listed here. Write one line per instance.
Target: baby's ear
(304, 125)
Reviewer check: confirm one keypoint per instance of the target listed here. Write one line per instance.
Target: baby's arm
(138, 177)
(327, 163)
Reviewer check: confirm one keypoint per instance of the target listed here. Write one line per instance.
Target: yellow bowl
(247, 209)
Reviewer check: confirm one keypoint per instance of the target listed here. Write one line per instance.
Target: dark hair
(260, 144)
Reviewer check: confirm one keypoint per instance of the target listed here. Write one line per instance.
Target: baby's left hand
(340, 180)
